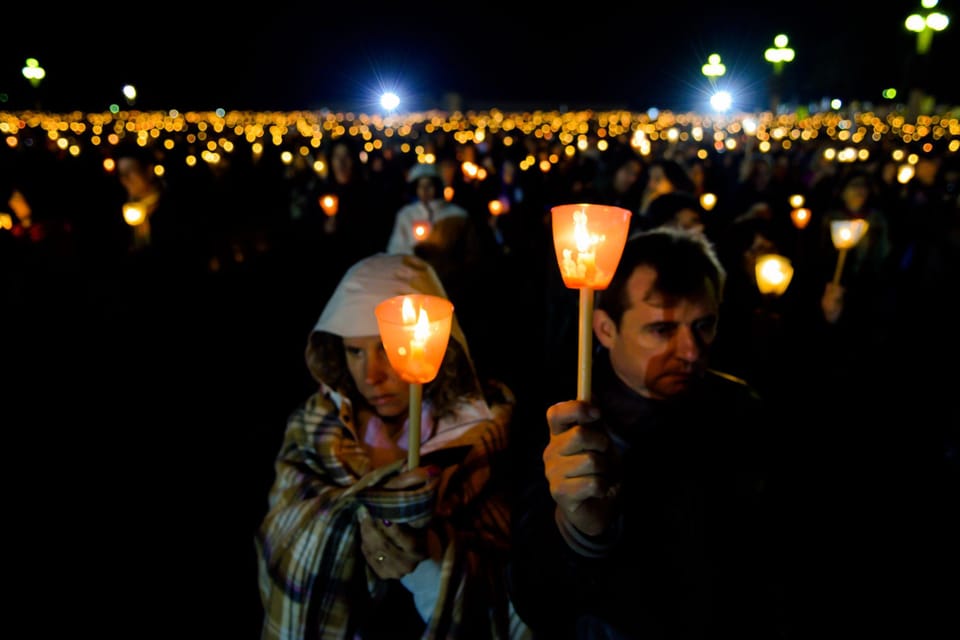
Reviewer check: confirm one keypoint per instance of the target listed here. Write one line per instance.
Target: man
(648, 520)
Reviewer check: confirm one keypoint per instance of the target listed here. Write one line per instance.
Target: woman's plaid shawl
(314, 580)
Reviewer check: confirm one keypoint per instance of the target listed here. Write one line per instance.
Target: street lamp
(33, 72)
(924, 24)
(714, 68)
(779, 54)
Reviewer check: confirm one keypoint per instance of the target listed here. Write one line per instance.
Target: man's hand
(580, 466)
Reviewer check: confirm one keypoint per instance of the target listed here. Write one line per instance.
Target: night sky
(300, 55)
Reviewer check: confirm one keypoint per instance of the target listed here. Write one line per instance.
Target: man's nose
(688, 346)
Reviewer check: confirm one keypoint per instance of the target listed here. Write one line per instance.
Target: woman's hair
(455, 380)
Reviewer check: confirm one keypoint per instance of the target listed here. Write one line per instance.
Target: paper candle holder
(845, 234)
(589, 240)
(415, 330)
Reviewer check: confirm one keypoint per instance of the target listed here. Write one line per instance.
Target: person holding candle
(866, 266)
(439, 231)
(649, 515)
(354, 544)
(176, 234)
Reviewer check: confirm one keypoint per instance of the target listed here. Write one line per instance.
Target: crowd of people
(787, 460)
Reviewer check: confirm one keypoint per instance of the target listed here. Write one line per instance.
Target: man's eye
(662, 330)
(706, 327)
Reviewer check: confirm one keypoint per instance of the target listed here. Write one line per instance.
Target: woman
(353, 546)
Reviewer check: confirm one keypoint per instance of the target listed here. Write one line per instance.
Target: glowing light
(714, 67)
(774, 273)
(33, 72)
(389, 101)
(800, 217)
(708, 201)
(134, 213)
(845, 234)
(329, 203)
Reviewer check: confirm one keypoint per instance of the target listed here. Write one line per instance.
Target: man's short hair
(684, 262)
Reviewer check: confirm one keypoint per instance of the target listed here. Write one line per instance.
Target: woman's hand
(391, 549)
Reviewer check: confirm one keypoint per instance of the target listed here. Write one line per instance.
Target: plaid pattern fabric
(314, 581)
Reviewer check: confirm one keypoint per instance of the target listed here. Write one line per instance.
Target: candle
(421, 229)
(800, 217)
(415, 352)
(329, 204)
(589, 241)
(773, 273)
(845, 234)
(415, 345)
(134, 213)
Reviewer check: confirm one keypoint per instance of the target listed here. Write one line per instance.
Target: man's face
(661, 346)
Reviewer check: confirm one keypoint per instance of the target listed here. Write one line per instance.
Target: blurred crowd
(186, 331)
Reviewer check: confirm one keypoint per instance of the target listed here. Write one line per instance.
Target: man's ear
(604, 327)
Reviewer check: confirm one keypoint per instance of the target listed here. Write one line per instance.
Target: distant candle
(421, 229)
(329, 204)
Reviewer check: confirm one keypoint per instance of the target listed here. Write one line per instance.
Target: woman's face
(426, 189)
(383, 389)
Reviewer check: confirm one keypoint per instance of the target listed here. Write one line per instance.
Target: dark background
(308, 55)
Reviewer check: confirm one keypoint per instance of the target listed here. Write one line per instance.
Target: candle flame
(772, 272)
(421, 331)
(329, 204)
(407, 313)
(421, 325)
(421, 230)
(134, 213)
(585, 265)
(585, 241)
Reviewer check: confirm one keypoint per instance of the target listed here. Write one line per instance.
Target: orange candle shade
(498, 206)
(800, 217)
(415, 330)
(329, 203)
(589, 240)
